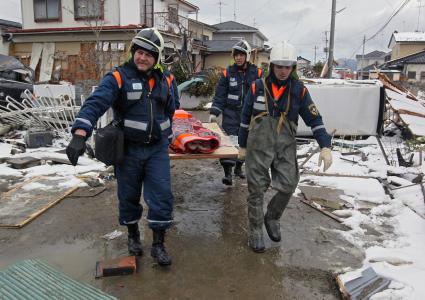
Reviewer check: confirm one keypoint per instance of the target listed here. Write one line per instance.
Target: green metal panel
(34, 279)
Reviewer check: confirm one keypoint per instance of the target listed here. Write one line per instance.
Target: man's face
(240, 59)
(282, 72)
(143, 60)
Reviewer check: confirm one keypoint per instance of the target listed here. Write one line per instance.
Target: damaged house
(226, 35)
(78, 41)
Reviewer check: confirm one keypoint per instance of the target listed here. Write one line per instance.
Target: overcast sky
(304, 22)
(10, 10)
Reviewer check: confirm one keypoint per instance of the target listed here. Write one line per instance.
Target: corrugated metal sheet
(34, 279)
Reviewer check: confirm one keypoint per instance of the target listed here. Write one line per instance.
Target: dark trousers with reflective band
(146, 167)
(269, 150)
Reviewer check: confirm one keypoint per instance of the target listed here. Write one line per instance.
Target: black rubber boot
(238, 170)
(158, 251)
(274, 212)
(272, 228)
(227, 179)
(256, 240)
(134, 244)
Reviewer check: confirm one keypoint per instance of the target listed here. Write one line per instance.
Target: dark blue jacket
(230, 93)
(146, 114)
(301, 104)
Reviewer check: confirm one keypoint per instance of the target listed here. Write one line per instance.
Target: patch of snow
(7, 171)
(364, 189)
(5, 149)
(36, 186)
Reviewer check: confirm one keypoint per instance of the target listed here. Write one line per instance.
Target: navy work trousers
(147, 168)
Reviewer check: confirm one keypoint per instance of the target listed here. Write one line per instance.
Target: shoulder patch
(313, 110)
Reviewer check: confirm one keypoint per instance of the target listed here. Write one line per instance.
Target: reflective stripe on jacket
(230, 93)
(300, 104)
(148, 104)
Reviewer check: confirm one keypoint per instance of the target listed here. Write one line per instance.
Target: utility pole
(419, 14)
(326, 49)
(315, 49)
(331, 40)
(361, 65)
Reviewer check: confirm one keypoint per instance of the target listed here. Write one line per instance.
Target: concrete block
(23, 162)
(36, 139)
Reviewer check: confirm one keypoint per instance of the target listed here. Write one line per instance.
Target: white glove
(242, 153)
(213, 118)
(325, 157)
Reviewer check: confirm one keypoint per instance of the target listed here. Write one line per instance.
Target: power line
(405, 2)
(400, 7)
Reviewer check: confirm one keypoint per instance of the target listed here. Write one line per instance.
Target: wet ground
(207, 242)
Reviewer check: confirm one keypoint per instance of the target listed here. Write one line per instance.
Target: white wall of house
(111, 16)
(129, 12)
(4, 46)
(368, 62)
(162, 6)
(199, 30)
(418, 69)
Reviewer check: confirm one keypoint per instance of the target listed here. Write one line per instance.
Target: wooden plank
(226, 149)
(330, 215)
(342, 290)
(336, 175)
(24, 206)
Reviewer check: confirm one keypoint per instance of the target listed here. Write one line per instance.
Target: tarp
(189, 135)
(9, 63)
(348, 108)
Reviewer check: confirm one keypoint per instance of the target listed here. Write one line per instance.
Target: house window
(205, 38)
(173, 15)
(423, 76)
(411, 75)
(46, 10)
(88, 9)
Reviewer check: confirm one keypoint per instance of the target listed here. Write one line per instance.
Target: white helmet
(283, 55)
(151, 40)
(244, 47)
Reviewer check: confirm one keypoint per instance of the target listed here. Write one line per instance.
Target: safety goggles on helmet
(149, 39)
(244, 47)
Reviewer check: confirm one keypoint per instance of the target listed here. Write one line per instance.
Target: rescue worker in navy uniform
(148, 94)
(228, 100)
(267, 141)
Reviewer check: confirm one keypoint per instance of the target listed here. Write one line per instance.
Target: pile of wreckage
(353, 111)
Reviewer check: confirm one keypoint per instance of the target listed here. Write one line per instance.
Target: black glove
(76, 148)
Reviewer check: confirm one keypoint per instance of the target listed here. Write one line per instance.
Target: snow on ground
(68, 172)
(399, 253)
(5, 150)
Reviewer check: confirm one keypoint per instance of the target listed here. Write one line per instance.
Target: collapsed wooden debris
(362, 286)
